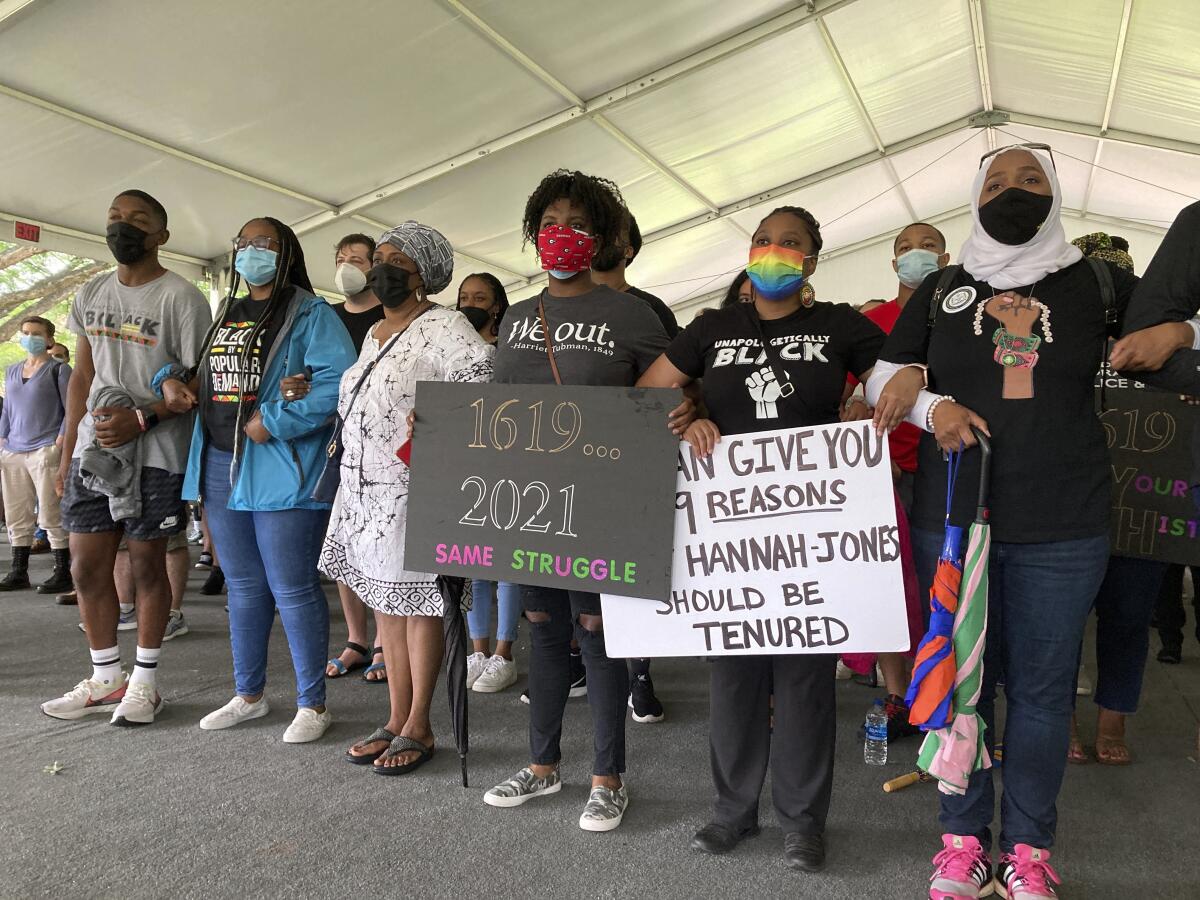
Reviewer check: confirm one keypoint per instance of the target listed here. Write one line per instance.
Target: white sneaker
(233, 713)
(86, 698)
(844, 672)
(476, 663)
(498, 674)
(308, 725)
(139, 706)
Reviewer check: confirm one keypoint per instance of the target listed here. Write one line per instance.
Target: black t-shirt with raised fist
(814, 348)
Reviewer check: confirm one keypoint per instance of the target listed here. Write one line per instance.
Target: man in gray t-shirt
(130, 324)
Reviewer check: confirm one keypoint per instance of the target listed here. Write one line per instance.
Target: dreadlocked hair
(290, 273)
(811, 225)
(598, 197)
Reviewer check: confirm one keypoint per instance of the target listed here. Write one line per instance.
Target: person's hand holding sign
(704, 436)
(682, 416)
(1149, 349)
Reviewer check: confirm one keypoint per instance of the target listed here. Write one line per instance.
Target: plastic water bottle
(875, 746)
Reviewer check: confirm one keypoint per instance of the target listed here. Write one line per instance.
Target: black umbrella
(454, 659)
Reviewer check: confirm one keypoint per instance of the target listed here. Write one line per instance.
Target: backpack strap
(1108, 291)
(948, 275)
(1108, 297)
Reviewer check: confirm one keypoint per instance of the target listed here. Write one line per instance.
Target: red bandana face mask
(565, 251)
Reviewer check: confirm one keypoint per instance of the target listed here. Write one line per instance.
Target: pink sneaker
(1025, 874)
(962, 871)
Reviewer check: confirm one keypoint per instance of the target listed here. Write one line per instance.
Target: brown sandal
(1112, 751)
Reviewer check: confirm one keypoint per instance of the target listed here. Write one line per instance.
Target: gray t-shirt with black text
(602, 337)
(133, 332)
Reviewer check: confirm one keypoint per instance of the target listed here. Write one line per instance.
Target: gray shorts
(163, 511)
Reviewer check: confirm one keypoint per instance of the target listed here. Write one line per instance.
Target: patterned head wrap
(428, 248)
(1099, 245)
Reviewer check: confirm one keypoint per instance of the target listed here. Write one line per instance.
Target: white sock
(146, 666)
(106, 666)
(126, 608)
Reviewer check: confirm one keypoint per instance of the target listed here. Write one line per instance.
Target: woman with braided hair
(256, 458)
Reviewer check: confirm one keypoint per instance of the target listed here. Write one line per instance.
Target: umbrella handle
(985, 469)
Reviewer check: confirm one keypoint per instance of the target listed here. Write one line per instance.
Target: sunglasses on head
(1049, 150)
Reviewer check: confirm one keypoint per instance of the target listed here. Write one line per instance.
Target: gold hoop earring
(808, 295)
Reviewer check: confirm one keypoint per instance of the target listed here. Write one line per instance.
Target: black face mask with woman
(1009, 343)
(775, 385)
(415, 339)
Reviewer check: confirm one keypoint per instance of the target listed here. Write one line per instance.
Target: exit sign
(25, 231)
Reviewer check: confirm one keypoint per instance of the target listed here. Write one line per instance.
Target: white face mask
(349, 280)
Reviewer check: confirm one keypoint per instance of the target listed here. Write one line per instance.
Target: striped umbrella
(952, 751)
(930, 693)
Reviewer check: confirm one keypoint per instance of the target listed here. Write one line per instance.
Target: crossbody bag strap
(370, 368)
(549, 343)
(786, 388)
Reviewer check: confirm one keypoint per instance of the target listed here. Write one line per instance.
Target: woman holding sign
(417, 340)
(574, 332)
(1010, 342)
(747, 354)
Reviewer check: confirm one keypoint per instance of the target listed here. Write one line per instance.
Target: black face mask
(476, 316)
(390, 284)
(126, 242)
(1015, 215)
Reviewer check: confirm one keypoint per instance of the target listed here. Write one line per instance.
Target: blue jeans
(270, 560)
(1124, 607)
(508, 610)
(1039, 597)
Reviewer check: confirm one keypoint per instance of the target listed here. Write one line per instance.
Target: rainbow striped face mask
(776, 272)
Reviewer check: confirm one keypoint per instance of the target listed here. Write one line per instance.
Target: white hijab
(1006, 266)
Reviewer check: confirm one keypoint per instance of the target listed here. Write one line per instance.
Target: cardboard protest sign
(567, 487)
(785, 542)
(1150, 435)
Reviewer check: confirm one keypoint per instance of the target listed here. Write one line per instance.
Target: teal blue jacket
(282, 473)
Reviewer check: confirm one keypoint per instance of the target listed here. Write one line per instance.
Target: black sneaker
(205, 561)
(578, 677)
(1172, 654)
(645, 706)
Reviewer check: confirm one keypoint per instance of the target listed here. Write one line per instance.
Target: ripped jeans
(559, 613)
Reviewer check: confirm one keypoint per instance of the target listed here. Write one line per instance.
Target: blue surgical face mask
(561, 275)
(256, 266)
(33, 344)
(913, 265)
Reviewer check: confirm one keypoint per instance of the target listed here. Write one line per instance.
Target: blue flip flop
(342, 668)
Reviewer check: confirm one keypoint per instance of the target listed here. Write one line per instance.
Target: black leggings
(550, 677)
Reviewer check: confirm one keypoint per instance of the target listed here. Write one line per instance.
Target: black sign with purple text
(1150, 436)
(559, 486)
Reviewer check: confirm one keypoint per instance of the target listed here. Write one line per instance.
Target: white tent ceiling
(355, 115)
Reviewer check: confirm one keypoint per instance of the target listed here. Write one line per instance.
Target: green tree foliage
(36, 282)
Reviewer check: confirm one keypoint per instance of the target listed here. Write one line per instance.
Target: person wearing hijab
(417, 340)
(256, 456)
(1011, 346)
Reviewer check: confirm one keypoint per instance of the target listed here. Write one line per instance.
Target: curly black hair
(635, 238)
(598, 197)
(811, 225)
(735, 286)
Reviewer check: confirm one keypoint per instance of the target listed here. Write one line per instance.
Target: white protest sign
(785, 542)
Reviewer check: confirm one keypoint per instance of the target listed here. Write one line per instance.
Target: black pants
(800, 752)
(550, 678)
(1169, 614)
